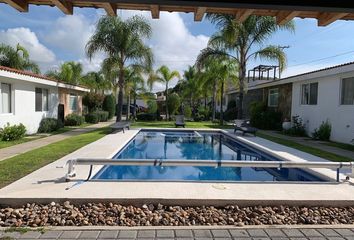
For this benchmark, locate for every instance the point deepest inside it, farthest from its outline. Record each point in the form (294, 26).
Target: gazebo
(325, 11)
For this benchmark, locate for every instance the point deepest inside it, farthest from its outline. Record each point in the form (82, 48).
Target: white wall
(23, 104)
(328, 106)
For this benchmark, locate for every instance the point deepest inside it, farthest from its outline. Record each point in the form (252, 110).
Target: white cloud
(28, 39)
(70, 34)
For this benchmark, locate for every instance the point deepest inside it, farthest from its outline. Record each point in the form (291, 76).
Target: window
(347, 97)
(273, 97)
(41, 99)
(73, 102)
(309, 94)
(5, 98)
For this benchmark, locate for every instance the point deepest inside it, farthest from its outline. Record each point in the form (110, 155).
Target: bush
(198, 117)
(230, 114)
(263, 118)
(323, 132)
(92, 117)
(93, 101)
(102, 115)
(173, 103)
(48, 125)
(152, 106)
(74, 120)
(146, 116)
(11, 133)
(187, 111)
(231, 104)
(109, 105)
(297, 129)
(204, 113)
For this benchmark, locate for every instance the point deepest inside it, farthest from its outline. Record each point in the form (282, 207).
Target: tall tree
(69, 72)
(163, 75)
(17, 58)
(134, 84)
(123, 42)
(191, 87)
(96, 81)
(238, 42)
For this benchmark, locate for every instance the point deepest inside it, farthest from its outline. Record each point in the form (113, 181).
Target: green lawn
(171, 124)
(19, 166)
(5, 144)
(314, 151)
(341, 145)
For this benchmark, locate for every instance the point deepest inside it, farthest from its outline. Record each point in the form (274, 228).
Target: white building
(27, 98)
(326, 95)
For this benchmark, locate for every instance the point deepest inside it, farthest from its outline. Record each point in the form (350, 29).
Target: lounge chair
(121, 125)
(245, 127)
(180, 121)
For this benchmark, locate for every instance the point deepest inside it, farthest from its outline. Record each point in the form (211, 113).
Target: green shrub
(187, 111)
(231, 104)
(173, 103)
(146, 116)
(92, 117)
(323, 132)
(297, 129)
(103, 116)
(93, 101)
(198, 117)
(230, 114)
(109, 105)
(11, 133)
(204, 113)
(264, 118)
(152, 106)
(48, 125)
(74, 120)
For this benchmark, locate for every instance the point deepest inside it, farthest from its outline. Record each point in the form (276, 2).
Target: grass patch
(171, 124)
(19, 166)
(311, 150)
(344, 146)
(5, 144)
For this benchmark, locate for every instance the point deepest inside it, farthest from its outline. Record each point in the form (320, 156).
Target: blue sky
(51, 37)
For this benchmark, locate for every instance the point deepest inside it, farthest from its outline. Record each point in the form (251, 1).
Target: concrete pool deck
(48, 184)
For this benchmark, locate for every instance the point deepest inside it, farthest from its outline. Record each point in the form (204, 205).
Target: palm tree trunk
(128, 105)
(222, 103)
(120, 95)
(242, 76)
(213, 100)
(134, 113)
(167, 114)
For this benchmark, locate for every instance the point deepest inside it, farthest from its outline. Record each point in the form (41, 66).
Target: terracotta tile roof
(31, 74)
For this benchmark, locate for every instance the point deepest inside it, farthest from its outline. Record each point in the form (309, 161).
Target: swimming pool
(194, 145)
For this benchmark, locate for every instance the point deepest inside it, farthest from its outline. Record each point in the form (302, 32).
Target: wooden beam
(110, 9)
(20, 5)
(199, 13)
(155, 11)
(325, 19)
(65, 6)
(285, 16)
(243, 14)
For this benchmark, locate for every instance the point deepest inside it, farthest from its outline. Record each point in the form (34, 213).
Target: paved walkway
(192, 234)
(311, 143)
(28, 146)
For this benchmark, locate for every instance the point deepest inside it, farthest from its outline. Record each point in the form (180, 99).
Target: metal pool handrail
(202, 163)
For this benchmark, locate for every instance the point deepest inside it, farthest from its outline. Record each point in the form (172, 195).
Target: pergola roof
(325, 11)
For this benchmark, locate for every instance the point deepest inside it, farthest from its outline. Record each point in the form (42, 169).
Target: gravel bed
(111, 214)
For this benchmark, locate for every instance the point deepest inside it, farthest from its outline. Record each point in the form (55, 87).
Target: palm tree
(123, 43)
(215, 75)
(134, 84)
(17, 58)
(163, 75)
(69, 72)
(238, 40)
(96, 81)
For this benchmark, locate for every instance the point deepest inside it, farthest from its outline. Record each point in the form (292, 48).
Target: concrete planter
(286, 125)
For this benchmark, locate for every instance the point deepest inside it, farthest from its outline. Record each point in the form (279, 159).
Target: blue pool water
(194, 145)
